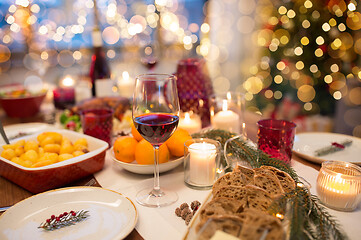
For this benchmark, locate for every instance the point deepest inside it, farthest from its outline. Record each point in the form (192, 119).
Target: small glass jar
(339, 185)
(201, 162)
(227, 112)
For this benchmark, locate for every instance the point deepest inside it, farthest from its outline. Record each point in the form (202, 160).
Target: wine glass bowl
(155, 115)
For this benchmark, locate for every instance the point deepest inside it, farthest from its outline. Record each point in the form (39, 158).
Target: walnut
(185, 212)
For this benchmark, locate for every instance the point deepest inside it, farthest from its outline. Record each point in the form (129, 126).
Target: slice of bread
(259, 225)
(235, 192)
(287, 182)
(221, 206)
(257, 198)
(229, 224)
(249, 173)
(232, 178)
(269, 182)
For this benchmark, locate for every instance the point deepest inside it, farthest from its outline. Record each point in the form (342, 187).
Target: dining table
(158, 223)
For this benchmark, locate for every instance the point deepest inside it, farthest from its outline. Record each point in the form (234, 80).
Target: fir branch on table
(306, 216)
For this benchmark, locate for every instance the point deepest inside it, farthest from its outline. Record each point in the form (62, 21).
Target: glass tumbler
(98, 123)
(276, 137)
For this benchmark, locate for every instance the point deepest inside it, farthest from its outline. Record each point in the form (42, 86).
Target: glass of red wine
(156, 116)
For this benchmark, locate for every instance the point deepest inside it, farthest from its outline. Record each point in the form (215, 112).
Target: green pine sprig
(307, 218)
(64, 220)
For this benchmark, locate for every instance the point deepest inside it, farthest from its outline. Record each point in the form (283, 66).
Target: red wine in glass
(156, 128)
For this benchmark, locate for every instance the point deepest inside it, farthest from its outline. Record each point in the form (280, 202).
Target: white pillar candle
(191, 123)
(202, 163)
(126, 85)
(226, 119)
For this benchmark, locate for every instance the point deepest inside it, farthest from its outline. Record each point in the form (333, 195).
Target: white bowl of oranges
(135, 154)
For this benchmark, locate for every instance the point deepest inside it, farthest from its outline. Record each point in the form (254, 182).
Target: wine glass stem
(156, 186)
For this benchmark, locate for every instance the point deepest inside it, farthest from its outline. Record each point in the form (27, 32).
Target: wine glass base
(156, 198)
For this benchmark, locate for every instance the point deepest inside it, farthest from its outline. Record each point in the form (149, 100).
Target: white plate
(112, 216)
(26, 128)
(145, 169)
(306, 143)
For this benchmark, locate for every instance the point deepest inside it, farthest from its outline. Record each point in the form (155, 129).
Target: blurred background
(292, 59)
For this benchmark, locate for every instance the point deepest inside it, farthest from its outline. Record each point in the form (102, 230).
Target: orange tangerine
(136, 134)
(175, 143)
(124, 148)
(144, 153)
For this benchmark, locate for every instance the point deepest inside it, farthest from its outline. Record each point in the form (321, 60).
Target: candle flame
(225, 105)
(125, 76)
(229, 96)
(279, 216)
(67, 82)
(219, 170)
(187, 117)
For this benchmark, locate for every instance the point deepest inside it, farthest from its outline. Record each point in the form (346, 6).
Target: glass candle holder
(276, 137)
(339, 185)
(201, 162)
(98, 123)
(64, 97)
(226, 111)
(190, 122)
(194, 87)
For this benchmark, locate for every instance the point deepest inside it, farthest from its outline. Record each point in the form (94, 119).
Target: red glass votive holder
(64, 97)
(194, 87)
(98, 123)
(276, 137)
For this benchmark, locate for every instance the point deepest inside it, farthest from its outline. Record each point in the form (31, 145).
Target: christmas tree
(312, 54)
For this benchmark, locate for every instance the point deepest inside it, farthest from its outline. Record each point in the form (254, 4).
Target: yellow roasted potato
(78, 153)
(65, 156)
(47, 140)
(52, 147)
(31, 155)
(48, 148)
(31, 145)
(8, 153)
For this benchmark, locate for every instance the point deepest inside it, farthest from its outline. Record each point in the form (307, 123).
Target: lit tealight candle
(202, 163)
(339, 185)
(191, 123)
(226, 119)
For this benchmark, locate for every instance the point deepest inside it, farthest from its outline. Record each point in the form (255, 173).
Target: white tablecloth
(162, 223)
